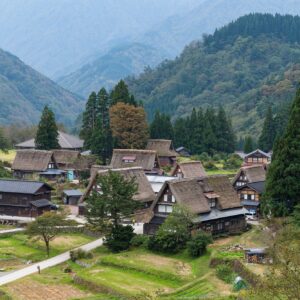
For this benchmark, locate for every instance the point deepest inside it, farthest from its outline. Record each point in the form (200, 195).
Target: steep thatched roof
(190, 169)
(222, 186)
(65, 141)
(32, 160)
(144, 192)
(139, 158)
(254, 173)
(66, 157)
(162, 147)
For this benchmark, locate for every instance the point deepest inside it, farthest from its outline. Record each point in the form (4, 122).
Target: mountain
(24, 92)
(166, 39)
(57, 35)
(245, 66)
(106, 70)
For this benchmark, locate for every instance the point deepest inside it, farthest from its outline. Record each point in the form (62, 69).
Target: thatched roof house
(66, 159)
(66, 141)
(189, 169)
(249, 174)
(212, 199)
(33, 160)
(126, 158)
(144, 194)
(165, 151)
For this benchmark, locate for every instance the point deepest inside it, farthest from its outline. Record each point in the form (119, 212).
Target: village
(59, 181)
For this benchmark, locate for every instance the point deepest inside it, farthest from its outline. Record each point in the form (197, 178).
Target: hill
(245, 66)
(24, 92)
(106, 70)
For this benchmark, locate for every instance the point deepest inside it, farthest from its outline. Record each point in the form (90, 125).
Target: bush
(204, 157)
(80, 254)
(225, 273)
(119, 238)
(197, 245)
(209, 165)
(139, 240)
(233, 162)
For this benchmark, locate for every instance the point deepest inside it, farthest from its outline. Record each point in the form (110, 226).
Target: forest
(244, 68)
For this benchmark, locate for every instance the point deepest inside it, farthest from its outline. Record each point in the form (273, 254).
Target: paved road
(14, 230)
(56, 260)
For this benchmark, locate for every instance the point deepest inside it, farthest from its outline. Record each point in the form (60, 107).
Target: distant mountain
(57, 36)
(166, 39)
(24, 92)
(246, 66)
(106, 70)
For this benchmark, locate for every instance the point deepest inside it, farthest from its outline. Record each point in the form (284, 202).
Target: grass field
(17, 249)
(9, 156)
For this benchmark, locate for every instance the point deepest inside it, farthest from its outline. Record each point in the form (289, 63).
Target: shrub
(209, 165)
(233, 162)
(139, 240)
(80, 254)
(119, 238)
(204, 157)
(225, 273)
(197, 245)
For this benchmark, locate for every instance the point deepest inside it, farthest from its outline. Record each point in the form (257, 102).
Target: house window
(173, 199)
(253, 197)
(220, 226)
(245, 197)
(241, 177)
(165, 208)
(0, 196)
(165, 197)
(212, 203)
(51, 166)
(129, 159)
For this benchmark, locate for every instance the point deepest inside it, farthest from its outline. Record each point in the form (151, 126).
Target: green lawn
(17, 249)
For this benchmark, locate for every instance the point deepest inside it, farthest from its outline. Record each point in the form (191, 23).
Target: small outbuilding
(71, 197)
(255, 255)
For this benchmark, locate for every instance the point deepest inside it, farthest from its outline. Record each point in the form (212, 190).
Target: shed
(71, 197)
(255, 255)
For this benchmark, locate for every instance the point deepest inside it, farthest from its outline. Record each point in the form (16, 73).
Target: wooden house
(257, 157)
(189, 169)
(71, 197)
(31, 164)
(157, 181)
(249, 174)
(24, 198)
(144, 195)
(65, 141)
(127, 158)
(167, 156)
(212, 199)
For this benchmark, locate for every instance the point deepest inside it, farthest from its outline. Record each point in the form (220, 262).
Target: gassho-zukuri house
(212, 199)
(65, 141)
(145, 195)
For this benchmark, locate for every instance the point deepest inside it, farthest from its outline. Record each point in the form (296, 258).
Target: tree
(248, 145)
(283, 177)
(119, 238)
(267, 137)
(89, 120)
(101, 142)
(129, 126)
(197, 245)
(161, 127)
(120, 93)
(47, 132)
(115, 201)
(47, 227)
(4, 143)
(174, 233)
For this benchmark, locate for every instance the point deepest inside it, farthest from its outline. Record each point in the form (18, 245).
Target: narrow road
(56, 260)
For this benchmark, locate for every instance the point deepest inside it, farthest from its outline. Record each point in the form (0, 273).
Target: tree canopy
(47, 132)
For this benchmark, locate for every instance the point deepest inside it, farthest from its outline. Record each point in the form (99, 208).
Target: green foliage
(140, 240)
(225, 273)
(283, 177)
(120, 93)
(248, 146)
(174, 233)
(268, 134)
(106, 209)
(47, 132)
(197, 245)
(245, 73)
(80, 254)
(209, 165)
(161, 127)
(119, 238)
(233, 162)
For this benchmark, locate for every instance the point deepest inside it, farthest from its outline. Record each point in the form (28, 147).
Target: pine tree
(267, 137)
(47, 133)
(120, 93)
(283, 177)
(155, 126)
(161, 127)
(209, 137)
(101, 143)
(89, 120)
(248, 145)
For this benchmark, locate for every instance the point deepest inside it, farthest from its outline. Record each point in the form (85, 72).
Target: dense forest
(247, 66)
